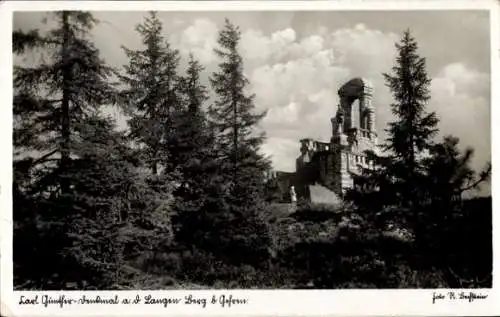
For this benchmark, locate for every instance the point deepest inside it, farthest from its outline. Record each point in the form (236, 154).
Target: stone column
(371, 119)
(346, 109)
(367, 104)
(334, 126)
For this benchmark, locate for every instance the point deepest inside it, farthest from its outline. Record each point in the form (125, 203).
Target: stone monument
(333, 164)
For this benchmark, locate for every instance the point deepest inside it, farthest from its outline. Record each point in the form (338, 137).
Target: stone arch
(355, 101)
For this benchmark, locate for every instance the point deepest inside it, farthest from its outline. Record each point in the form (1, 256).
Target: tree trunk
(65, 121)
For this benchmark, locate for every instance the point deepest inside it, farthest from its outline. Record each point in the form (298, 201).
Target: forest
(181, 199)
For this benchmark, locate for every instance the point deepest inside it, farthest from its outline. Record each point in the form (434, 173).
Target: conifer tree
(197, 194)
(234, 121)
(192, 143)
(57, 106)
(426, 178)
(399, 174)
(151, 93)
(51, 97)
(411, 134)
(449, 175)
(153, 98)
(233, 115)
(79, 200)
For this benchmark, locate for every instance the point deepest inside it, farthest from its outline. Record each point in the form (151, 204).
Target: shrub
(318, 212)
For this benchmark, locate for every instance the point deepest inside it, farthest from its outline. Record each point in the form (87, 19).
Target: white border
(261, 303)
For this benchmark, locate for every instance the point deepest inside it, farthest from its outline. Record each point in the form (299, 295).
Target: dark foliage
(419, 184)
(151, 95)
(233, 120)
(56, 107)
(80, 179)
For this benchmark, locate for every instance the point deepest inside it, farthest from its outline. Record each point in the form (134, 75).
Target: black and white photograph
(251, 150)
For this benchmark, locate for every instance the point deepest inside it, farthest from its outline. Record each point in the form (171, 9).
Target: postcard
(250, 158)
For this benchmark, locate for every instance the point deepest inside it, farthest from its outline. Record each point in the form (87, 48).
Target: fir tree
(54, 103)
(151, 94)
(77, 175)
(398, 177)
(152, 98)
(233, 115)
(411, 134)
(192, 143)
(234, 121)
(51, 97)
(195, 159)
(417, 183)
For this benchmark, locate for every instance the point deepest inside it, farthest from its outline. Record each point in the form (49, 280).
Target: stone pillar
(371, 120)
(334, 126)
(347, 114)
(338, 122)
(367, 104)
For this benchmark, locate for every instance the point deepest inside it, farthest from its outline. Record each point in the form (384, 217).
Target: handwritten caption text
(61, 301)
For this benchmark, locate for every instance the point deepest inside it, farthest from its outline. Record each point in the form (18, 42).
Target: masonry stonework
(333, 164)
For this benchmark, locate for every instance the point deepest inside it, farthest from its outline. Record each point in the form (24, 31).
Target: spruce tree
(51, 97)
(418, 182)
(234, 121)
(399, 175)
(233, 114)
(151, 93)
(192, 141)
(80, 202)
(411, 134)
(57, 106)
(196, 197)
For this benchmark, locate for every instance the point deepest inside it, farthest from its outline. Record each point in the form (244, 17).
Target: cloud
(283, 150)
(200, 39)
(255, 46)
(297, 79)
(365, 51)
(460, 97)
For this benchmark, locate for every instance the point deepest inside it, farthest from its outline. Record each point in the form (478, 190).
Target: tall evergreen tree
(194, 141)
(197, 196)
(399, 174)
(233, 114)
(234, 121)
(57, 118)
(418, 182)
(51, 97)
(151, 93)
(411, 134)
(80, 202)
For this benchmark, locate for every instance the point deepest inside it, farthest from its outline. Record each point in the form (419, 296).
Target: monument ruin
(329, 167)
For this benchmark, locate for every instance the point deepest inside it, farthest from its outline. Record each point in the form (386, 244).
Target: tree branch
(44, 157)
(482, 177)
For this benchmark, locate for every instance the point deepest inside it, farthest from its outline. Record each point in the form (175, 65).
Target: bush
(318, 212)
(343, 251)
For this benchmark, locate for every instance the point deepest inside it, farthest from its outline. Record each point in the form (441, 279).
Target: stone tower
(353, 132)
(333, 164)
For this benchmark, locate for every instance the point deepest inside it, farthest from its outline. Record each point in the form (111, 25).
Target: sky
(296, 61)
